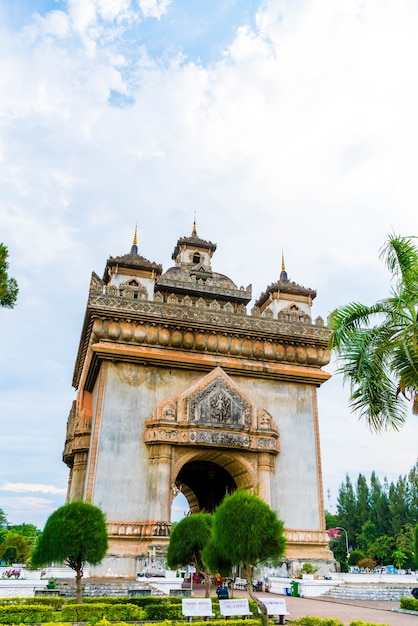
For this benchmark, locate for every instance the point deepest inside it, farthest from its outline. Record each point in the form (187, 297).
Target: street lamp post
(346, 538)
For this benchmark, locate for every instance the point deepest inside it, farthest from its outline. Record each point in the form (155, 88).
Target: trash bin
(287, 591)
(222, 593)
(295, 588)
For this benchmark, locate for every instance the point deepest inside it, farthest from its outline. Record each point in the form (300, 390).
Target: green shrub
(355, 557)
(409, 604)
(359, 623)
(219, 622)
(29, 613)
(141, 601)
(57, 624)
(88, 612)
(367, 564)
(163, 611)
(308, 620)
(45, 600)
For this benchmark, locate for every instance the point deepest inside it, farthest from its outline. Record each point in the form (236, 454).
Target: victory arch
(180, 387)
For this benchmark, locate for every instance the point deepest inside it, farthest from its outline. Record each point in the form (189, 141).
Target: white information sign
(275, 606)
(234, 607)
(200, 607)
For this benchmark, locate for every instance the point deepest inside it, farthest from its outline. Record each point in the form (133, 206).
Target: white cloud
(55, 23)
(29, 487)
(154, 8)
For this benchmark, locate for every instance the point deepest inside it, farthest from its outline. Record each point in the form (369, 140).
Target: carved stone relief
(219, 405)
(213, 412)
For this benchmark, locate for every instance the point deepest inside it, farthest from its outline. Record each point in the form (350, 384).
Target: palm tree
(378, 344)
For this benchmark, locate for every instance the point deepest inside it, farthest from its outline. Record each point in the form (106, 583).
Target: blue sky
(284, 125)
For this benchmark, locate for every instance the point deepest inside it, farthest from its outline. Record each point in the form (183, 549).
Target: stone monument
(181, 388)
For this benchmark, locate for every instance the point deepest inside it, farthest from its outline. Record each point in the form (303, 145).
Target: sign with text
(275, 606)
(199, 607)
(234, 607)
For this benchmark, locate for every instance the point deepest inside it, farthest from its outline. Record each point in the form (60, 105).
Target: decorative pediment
(294, 314)
(214, 411)
(216, 401)
(132, 288)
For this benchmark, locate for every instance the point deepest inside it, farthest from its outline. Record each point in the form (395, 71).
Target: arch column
(160, 482)
(265, 468)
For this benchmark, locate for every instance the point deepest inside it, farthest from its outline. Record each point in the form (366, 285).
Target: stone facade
(180, 389)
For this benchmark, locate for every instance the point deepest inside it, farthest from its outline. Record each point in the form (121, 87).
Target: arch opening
(204, 485)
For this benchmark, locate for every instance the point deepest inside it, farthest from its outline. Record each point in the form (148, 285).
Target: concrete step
(111, 589)
(381, 592)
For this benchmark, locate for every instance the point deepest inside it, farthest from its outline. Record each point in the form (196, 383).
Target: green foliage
(367, 563)
(215, 559)
(416, 544)
(382, 549)
(74, 534)
(163, 611)
(94, 612)
(308, 620)
(360, 623)
(55, 602)
(3, 518)
(14, 548)
(26, 530)
(409, 563)
(187, 541)
(29, 613)
(409, 604)
(308, 568)
(377, 344)
(246, 530)
(392, 513)
(399, 558)
(8, 286)
(355, 557)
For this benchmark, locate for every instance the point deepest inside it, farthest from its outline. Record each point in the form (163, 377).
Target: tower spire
(283, 273)
(134, 249)
(194, 231)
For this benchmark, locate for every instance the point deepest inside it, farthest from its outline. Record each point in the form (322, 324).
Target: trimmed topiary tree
(75, 534)
(187, 542)
(247, 532)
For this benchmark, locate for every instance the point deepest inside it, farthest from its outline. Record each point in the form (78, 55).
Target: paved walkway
(375, 612)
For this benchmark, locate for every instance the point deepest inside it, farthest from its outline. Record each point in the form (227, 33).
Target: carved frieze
(213, 412)
(148, 528)
(220, 438)
(219, 405)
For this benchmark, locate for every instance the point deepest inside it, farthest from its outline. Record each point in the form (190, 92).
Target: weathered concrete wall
(123, 484)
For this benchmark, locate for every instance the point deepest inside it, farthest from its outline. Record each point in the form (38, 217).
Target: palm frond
(377, 345)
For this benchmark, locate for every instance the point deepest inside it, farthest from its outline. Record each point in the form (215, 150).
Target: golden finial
(283, 273)
(134, 248)
(194, 231)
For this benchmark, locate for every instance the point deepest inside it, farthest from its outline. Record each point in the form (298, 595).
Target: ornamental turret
(286, 300)
(192, 281)
(131, 274)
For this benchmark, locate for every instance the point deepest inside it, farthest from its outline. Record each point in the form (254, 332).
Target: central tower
(180, 389)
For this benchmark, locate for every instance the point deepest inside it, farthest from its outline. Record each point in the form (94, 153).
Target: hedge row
(141, 601)
(330, 621)
(56, 602)
(16, 614)
(95, 612)
(409, 604)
